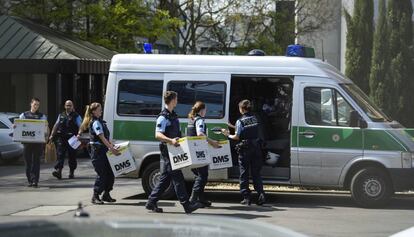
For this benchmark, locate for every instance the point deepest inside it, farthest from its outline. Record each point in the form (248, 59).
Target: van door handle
(308, 134)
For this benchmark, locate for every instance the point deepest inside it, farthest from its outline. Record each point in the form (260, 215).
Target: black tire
(371, 187)
(150, 177)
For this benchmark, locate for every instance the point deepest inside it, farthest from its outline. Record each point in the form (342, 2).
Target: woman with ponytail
(99, 145)
(197, 127)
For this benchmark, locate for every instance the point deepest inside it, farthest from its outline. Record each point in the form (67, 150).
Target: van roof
(236, 65)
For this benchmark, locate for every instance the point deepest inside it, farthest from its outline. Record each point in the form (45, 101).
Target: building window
(213, 94)
(139, 97)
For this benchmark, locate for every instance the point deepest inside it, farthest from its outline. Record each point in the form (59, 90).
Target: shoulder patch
(159, 125)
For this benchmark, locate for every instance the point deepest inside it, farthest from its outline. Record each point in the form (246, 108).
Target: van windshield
(363, 101)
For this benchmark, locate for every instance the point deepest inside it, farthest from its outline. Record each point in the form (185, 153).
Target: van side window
(326, 107)
(213, 94)
(139, 97)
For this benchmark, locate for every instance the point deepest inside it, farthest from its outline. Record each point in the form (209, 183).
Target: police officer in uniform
(99, 145)
(33, 151)
(67, 125)
(197, 127)
(250, 154)
(168, 131)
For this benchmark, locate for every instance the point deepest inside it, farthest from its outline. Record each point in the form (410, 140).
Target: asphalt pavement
(310, 213)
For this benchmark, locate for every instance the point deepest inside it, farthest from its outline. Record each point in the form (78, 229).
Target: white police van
(324, 128)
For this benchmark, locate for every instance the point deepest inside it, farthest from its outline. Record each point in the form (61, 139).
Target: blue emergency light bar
(297, 50)
(147, 48)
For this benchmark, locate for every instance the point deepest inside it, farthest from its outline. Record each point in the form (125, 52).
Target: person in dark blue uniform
(33, 151)
(168, 131)
(197, 127)
(250, 154)
(99, 145)
(67, 125)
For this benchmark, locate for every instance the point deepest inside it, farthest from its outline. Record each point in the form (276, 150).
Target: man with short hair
(67, 125)
(168, 131)
(33, 151)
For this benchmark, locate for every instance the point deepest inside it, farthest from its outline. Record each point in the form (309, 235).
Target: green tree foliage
(359, 43)
(399, 78)
(380, 62)
(112, 24)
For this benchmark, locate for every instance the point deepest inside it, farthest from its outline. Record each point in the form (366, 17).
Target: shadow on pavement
(233, 215)
(298, 200)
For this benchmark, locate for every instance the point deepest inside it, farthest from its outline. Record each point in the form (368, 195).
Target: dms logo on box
(122, 165)
(180, 158)
(200, 155)
(28, 133)
(221, 159)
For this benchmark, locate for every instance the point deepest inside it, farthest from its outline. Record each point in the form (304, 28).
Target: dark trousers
(105, 178)
(63, 147)
(168, 175)
(250, 158)
(200, 181)
(32, 153)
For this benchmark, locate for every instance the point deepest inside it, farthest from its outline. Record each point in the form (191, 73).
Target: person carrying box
(99, 145)
(167, 130)
(33, 151)
(197, 127)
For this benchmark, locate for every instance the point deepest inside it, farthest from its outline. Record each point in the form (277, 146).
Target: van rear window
(213, 94)
(139, 97)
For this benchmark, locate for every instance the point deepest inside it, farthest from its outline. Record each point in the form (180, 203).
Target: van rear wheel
(371, 187)
(150, 177)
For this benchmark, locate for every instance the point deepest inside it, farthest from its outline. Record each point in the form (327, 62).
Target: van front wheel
(150, 177)
(371, 187)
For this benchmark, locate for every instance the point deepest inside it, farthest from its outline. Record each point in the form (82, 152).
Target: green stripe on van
(145, 130)
(382, 140)
(331, 137)
(348, 138)
(134, 130)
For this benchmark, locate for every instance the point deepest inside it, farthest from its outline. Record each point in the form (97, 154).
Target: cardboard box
(123, 163)
(30, 130)
(220, 157)
(192, 153)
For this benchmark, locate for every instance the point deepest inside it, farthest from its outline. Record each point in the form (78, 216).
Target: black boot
(107, 197)
(153, 207)
(202, 199)
(96, 199)
(261, 200)
(57, 173)
(71, 174)
(246, 201)
(191, 207)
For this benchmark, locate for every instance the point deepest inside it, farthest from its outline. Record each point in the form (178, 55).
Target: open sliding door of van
(211, 88)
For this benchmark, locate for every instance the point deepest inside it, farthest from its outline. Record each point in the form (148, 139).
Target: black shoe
(204, 201)
(261, 200)
(246, 201)
(71, 174)
(106, 197)
(191, 207)
(57, 173)
(96, 200)
(153, 207)
(30, 185)
(34, 185)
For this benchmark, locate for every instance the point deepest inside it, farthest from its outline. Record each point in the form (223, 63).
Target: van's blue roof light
(147, 48)
(297, 50)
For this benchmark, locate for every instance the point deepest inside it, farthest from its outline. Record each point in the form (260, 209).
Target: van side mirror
(356, 120)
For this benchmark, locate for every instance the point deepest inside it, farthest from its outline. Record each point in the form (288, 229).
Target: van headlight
(407, 159)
